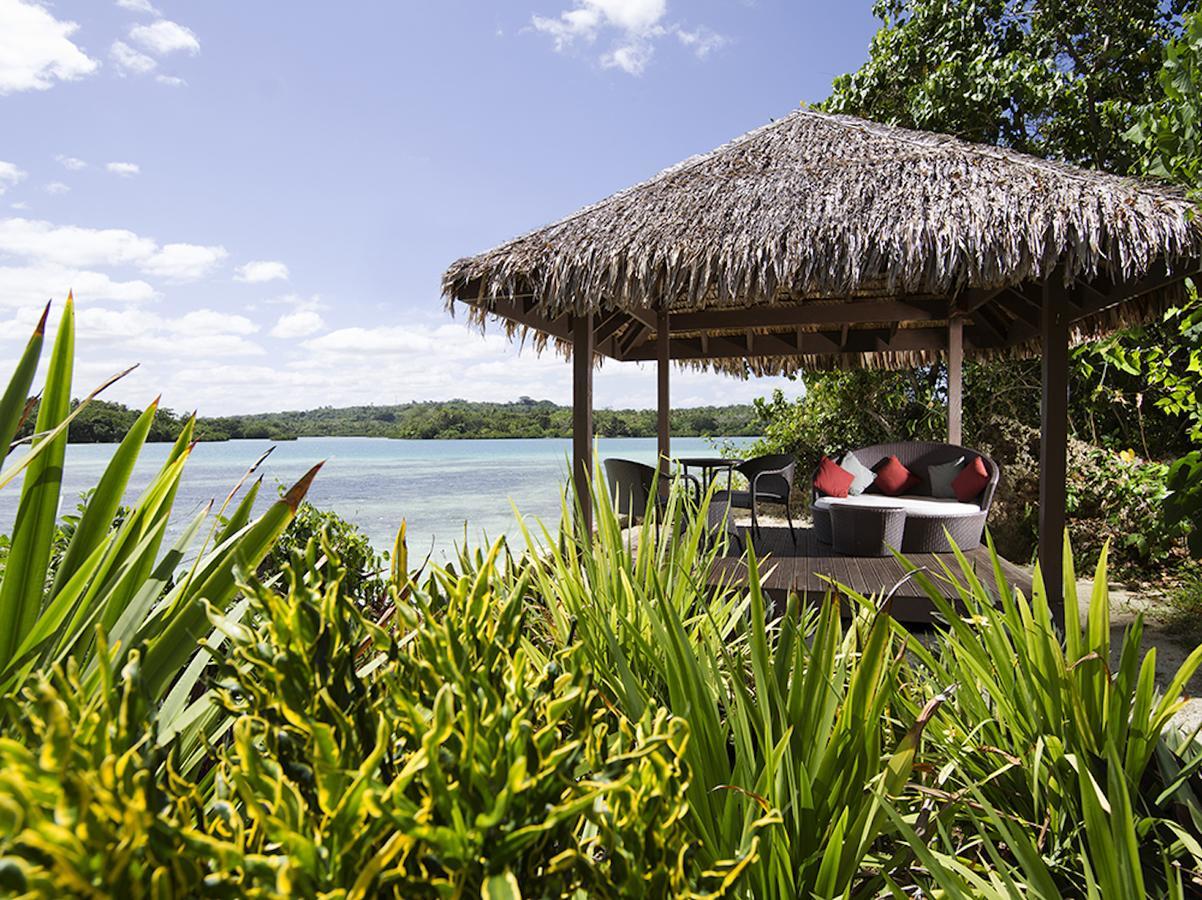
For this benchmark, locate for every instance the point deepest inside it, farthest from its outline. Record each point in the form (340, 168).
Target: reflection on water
(438, 487)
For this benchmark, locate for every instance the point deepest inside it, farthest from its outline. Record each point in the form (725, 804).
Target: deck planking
(804, 566)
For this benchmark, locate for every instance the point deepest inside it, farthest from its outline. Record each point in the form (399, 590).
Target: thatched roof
(821, 208)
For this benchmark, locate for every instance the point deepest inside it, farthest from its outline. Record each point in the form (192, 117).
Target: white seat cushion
(914, 506)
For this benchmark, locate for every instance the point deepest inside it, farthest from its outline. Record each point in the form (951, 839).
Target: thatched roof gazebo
(822, 241)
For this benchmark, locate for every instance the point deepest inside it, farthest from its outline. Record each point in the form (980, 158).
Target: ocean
(446, 491)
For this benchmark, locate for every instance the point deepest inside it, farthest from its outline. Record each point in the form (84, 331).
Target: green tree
(1058, 78)
(1169, 130)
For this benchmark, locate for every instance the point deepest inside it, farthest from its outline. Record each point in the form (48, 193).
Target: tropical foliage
(586, 717)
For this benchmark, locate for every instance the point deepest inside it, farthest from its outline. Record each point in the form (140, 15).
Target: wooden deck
(807, 566)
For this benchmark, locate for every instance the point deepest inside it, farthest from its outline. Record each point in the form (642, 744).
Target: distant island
(104, 422)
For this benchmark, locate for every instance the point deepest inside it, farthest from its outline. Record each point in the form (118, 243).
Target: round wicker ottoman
(935, 533)
(866, 530)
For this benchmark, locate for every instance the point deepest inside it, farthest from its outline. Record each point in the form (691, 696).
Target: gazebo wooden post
(1053, 443)
(582, 413)
(955, 379)
(663, 397)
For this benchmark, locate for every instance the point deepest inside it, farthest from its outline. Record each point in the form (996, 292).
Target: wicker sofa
(929, 522)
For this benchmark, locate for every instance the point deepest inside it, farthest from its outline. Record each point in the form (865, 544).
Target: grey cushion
(940, 477)
(862, 475)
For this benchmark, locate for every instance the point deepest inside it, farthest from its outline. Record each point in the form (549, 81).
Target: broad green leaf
(25, 574)
(16, 395)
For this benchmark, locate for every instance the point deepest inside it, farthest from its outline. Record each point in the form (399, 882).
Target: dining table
(711, 467)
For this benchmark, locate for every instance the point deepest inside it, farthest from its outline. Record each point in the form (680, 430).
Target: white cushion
(918, 506)
(863, 476)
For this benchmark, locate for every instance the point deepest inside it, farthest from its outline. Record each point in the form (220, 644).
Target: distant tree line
(105, 422)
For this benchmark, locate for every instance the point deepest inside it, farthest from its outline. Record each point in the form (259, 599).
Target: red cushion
(971, 481)
(832, 479)
(893, 478)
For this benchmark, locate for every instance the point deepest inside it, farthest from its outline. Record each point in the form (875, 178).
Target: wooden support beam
(989, 320)
(608, 325)
(663, 368)
(776, 344)
(635, 335)
(1025, 322)
(1102, 292)
(955, 379)
(1053, 445)
(970, 300)
(582, 414)
(845, 312)
(639, 314)
(729, 346)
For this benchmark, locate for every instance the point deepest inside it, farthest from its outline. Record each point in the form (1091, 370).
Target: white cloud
(10, 176)
(70, 245)
(129, 61)
(170, 80)
(163, 37)
(635, 17)
(57, 187)
(71, 163)
(184, 262)
(630, 58)
(22, 286)
(20, 204)
(296, 303)
(200, 334)
(36, 50)
(124, 169)
(357, 342)
(213, 322)
(702, 41)
(635, 26)
(571, 24)
(138, 6)
(213, 360)
(299, 324)
(206, 346)
(259, 271)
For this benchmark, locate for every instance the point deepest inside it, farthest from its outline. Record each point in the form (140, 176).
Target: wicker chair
(926, 531)
(631, 485)
(770, 480)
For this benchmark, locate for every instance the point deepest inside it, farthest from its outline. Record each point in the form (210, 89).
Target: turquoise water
(438, 487)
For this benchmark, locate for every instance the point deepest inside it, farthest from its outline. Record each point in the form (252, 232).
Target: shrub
(1114, 498)
(364, 580)
(439, 761)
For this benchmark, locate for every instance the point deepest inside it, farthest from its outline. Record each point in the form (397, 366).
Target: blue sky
(256, 201)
